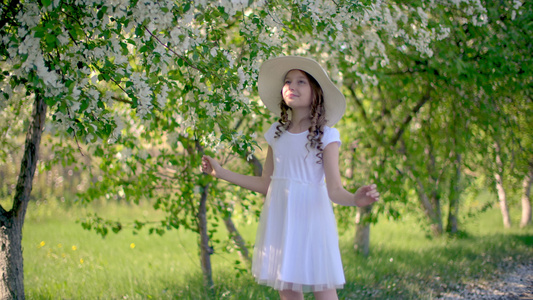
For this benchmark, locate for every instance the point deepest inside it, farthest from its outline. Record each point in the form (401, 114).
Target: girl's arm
(254, 183)
(365, 195)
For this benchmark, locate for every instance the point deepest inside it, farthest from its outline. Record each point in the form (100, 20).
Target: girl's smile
(297, 91)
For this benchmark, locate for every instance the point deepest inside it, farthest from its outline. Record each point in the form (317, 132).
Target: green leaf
(101, 12)
(39, 32)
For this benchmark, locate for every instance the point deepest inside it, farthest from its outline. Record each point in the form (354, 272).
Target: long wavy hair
(318, 118)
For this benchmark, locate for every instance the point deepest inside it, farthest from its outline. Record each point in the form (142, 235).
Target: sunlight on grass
(61, 260)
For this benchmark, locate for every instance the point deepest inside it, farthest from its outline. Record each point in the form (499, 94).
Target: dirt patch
(515, 282)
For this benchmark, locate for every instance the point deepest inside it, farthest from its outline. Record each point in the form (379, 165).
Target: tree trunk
(205, 249)
(433, 209)
(230, 226)
(431, 213)
(436, 221)
(362, 230)
(526, 201)
(453, 211)
(11, 263)
(237, 239)
(11, 222)
(502, 197)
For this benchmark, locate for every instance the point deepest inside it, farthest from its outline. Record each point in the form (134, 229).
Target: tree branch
(358, 102)
(175, 53)
(75, 136)
(122, 100)
(400, 130)
(427, 206)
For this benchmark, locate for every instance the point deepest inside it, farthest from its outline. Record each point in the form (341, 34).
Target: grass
(63, 261)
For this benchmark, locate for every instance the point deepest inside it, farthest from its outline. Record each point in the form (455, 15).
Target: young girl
(296, 248)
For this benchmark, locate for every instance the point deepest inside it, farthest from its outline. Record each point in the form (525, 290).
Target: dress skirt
(297, 245)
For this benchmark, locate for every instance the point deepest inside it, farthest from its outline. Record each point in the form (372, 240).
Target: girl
(296, 247)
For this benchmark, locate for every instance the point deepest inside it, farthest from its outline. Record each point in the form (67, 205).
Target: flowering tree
(428, 119)
(97, 66)
(145, 88)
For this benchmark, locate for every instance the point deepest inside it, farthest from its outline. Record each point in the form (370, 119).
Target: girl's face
(297, 91)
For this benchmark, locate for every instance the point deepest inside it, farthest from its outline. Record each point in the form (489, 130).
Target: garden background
(106, 108)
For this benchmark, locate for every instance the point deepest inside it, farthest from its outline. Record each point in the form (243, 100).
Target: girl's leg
(326, 295)
(290, 295)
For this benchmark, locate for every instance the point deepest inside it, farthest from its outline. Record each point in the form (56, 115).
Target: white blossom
(162, 97)
(143, 154)
(213, 51)
(143, 92)
(444, 33)
(242, 78)
(230, 59)
(119, 126)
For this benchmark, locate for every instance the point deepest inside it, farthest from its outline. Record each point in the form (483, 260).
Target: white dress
(297, 243)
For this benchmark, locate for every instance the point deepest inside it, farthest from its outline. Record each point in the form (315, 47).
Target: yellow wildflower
(132, 245)
(74, 248)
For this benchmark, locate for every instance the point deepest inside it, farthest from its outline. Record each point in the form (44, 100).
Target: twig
(75, 136)
(122, 100)
(175, 53)
(273, 19)
(112, 79)
(409, 117)
(358, 102)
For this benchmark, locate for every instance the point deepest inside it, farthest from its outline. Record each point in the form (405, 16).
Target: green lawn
(63, 261)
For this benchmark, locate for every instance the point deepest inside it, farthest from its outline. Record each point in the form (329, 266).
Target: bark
(453, 211)
(11, 263)
(526, 200)
(230, 226)
(11, 222)
(362, 230)
(205, 249)
(400, 130)
(434, 210)
(256, 165)
(431, 213)
(502, 197)
(237, 239)
(430, 203)
(436, 225)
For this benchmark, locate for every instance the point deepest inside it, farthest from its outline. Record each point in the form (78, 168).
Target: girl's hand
(210, 166)
(366, 195)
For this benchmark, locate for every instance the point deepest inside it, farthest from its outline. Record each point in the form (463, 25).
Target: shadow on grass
(402, 264)
(442, 265)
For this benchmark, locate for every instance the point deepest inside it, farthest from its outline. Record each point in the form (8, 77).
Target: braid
(318, 119)
(284, 121)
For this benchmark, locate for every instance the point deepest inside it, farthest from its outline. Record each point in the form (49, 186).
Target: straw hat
(271, 80)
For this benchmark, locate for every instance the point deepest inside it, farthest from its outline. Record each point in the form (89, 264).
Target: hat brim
(271, 80)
